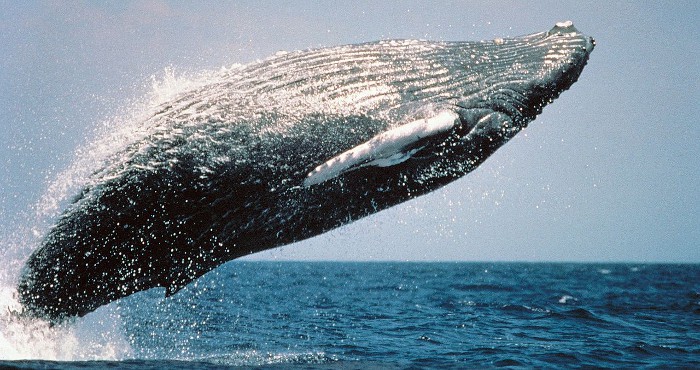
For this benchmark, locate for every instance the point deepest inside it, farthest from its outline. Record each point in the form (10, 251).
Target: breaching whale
(288, 148)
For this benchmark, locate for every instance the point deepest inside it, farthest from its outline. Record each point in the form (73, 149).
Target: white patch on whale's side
(385, 149)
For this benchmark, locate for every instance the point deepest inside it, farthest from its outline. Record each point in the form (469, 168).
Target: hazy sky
(609, 172)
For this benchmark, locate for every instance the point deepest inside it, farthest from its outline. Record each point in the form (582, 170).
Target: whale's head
(472, 97)
(518, 77)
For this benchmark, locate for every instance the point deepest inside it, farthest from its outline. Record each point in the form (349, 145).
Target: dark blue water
(421, 315)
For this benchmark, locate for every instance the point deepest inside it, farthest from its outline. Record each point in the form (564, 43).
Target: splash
(96, 337)
(99, 335)
(130, 125)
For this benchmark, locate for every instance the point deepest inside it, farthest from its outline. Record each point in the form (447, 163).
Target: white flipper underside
(385, 149)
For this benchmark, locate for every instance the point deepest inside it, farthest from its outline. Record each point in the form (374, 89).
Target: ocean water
(333, 315)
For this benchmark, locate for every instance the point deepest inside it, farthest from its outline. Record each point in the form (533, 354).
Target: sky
(609, 172)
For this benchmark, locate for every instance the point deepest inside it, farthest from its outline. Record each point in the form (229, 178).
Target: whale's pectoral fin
(386, 149)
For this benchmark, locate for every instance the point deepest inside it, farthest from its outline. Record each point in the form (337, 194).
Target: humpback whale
(285, 149)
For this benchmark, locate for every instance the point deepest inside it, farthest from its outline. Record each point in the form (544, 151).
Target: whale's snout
(522, 76)
(567, 28)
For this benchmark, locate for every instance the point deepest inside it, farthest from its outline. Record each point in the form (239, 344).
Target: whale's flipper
(386, 149)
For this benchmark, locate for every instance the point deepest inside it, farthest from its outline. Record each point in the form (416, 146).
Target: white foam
(98, 337)
(565, 299)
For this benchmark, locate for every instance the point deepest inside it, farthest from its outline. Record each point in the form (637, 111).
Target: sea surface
(333, 315)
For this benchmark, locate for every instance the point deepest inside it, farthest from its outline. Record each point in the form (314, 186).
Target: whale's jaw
(289, 148)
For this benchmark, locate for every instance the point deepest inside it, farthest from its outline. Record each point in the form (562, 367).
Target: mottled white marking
(385, 149)
(563, 28)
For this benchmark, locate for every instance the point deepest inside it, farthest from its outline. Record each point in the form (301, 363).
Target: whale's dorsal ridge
(385, 149)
